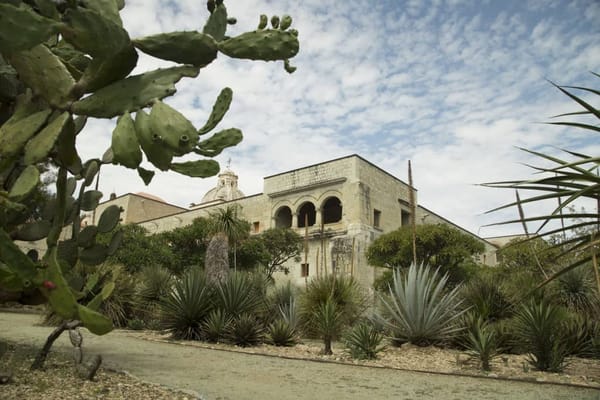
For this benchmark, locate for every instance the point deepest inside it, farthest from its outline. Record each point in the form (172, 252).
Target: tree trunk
(327, 349)
(38, 363)
(217, 258)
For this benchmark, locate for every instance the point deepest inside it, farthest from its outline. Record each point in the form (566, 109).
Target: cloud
(453, 86)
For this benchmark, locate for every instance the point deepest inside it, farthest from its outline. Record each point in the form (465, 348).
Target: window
(283, 218)
(376, 218)
(404, 218)
(332, 210)
(307, 213)
(255, 226)
(304, 270)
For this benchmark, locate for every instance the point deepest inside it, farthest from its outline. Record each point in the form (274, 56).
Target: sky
(455, 86)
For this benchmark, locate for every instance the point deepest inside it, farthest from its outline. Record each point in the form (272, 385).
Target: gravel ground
(220, 373)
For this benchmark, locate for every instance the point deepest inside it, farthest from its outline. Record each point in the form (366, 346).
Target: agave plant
(364, 341)
(216, 325)
(481, 341)
(237, 295)
(418, 309)
(187, 305)
(281, 333)
(245, 330)
(540, 326)
(567, 181)
(486, 298)
(327, 322)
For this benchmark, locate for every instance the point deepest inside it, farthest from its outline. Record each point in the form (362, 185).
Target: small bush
(418, 309)
(281, 333)
(187, 305)
(540, 324)
(484, 296)
(216, 325)
(245, 331)
(364, 341)
(135, 324)
(238, 295)
(481, 342)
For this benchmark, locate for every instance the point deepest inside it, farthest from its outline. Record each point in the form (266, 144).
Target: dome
(226, 189)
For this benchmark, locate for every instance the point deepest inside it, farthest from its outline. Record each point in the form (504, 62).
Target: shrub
(344, 291)
(481, 341)
(154, 283)
(539, 324)
(281, 333)
(417, 309)
(484, 296)
(245, 330)
(364, 341)
(327, 322)
(186, 306)
(576, 290)
(135, 324)
(238, 295)
(120, 304)
(216, 325)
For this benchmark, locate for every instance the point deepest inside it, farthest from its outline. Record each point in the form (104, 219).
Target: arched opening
(283, 217)
(307, 213)
(332, 210)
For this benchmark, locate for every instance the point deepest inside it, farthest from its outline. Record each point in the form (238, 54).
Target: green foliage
(216, 325)
(418, 308)
(271, 249)
(281, 333)
(481, 341)
(562, 183)
(188, 243)
(485, 297)
(344, 292)
(327, 322)
(439, 246)
(238, 295)
(50, 58)
(576, 290)
(539, 325)
(186, 306)
(364, 341)
(245, 330)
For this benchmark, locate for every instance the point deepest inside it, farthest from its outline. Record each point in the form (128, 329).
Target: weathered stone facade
(341, 206)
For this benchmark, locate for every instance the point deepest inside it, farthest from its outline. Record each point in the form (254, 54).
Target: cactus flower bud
(49, 285)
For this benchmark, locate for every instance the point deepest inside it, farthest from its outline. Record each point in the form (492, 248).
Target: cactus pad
(216, 25)
(37, 149)
(218, 112)
(125, 145)
(219, 141)
(25, 183)
(197, 169)
(109, 219)
(146, 175)
(266, 45)
(21, 28)
(132, 93)
(175, 130)
(14, 134)
(191, 47)
(156, 152)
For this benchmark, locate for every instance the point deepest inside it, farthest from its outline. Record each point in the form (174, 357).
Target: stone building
(340, 206)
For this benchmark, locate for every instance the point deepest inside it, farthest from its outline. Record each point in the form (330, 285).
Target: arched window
(307, 213)
(283, 217)
(332, 210)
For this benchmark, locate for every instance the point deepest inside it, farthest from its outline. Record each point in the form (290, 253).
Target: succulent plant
(54, 75)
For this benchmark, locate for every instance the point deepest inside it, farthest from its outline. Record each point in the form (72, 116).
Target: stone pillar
(318, 217)
(295, 220)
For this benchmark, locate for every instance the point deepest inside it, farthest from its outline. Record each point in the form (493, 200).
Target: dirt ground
(220, 373)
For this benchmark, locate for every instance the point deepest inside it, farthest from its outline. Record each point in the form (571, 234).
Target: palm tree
(565, 182)
(226, 228)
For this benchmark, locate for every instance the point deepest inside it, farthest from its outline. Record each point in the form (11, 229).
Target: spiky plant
(364, 341)
(485, 297)
(481, 341)
(245, 330)
(281, 333)
(119, 307)
(418, 309)
(216, 325)
(539, 325)
(186, 306)
(576, 290)
(327, 322)
(237, 295)
(344, 291)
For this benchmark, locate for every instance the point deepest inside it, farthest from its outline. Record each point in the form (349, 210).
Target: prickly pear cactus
(54, 75)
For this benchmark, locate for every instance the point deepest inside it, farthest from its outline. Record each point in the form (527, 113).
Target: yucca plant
(186, 306)
(485, 297)
(418, 309)
(364, 341)
(563, 183)
(540, 327)
(344, 291)
(281, 333)
(327, 322)
(481, 341)
(245, 330)
(216, 325)
(237, 295)
(576, 290)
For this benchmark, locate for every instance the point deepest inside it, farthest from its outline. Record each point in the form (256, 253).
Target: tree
(439, 246)
(226, 227)
(563, 183)
(534, 255)
(271, 249)
(56, 74)
(188, 244)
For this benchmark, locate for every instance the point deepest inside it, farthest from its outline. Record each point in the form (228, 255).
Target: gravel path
(217, 374)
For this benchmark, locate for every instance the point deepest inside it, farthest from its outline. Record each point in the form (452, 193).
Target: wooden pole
(413, 213)
(306, 246)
